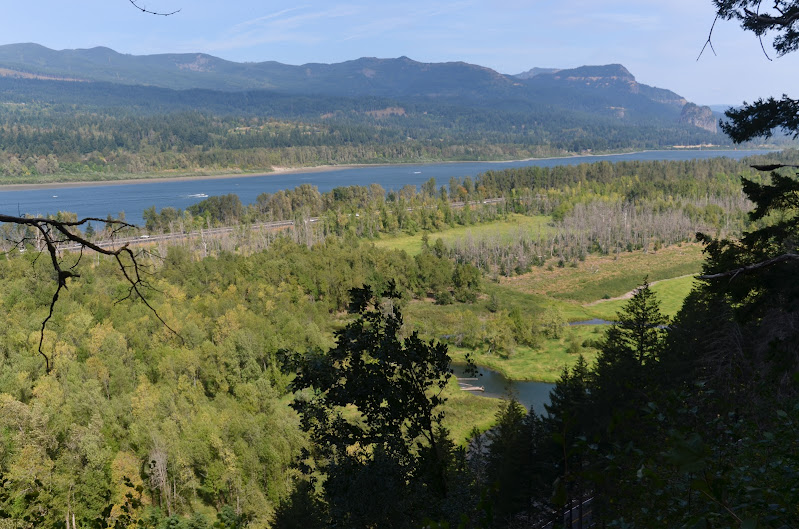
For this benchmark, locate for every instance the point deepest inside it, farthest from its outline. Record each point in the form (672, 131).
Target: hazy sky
(657, 40)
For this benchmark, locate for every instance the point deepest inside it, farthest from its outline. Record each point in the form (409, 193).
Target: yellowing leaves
(106, 341)
(144, 401)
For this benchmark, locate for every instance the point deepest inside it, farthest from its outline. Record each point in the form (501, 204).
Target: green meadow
(596, 288)
(504, 229)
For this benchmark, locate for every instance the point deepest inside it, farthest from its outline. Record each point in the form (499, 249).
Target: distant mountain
(609, 90)
(452, 94)
(702, 117)
(529, 74)
(400, 77)
(614, 77)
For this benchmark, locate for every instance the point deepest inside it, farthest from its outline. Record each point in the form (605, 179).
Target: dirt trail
(630, 294)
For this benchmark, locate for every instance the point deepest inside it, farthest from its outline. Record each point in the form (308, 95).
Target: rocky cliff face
(599, 76)
(529, 74)
(697, 116)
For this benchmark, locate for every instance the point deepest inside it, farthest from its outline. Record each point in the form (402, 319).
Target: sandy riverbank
(152, 179)
(275, 170)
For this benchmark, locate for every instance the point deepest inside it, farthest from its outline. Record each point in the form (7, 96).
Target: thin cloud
(290, 25)
(630, 20)
(388, 20)
(260, 20)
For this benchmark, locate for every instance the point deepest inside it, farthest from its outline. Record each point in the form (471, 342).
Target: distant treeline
(67, 128)
(595, 208)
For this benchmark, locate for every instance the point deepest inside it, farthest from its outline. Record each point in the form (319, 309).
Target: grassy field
(504, 229)
(544, 364)
(573, 294)
(570, 293)
(464, 411)
(670, 292)
(611, 276)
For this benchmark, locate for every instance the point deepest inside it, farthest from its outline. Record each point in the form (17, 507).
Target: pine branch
(771, 167)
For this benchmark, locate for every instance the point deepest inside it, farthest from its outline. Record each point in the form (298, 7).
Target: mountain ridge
(373, 76)
(591, 96)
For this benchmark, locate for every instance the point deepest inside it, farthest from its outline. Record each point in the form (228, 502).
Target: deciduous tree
(371, 408)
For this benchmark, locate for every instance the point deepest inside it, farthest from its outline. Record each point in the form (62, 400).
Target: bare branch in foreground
(709, 42)
(158, 13)
(756, 266)
(55, 232)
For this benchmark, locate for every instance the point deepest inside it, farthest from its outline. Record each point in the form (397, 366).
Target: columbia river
(103, 199)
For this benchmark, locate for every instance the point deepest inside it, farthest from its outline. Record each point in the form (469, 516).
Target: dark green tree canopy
(371, 408)
(780, 19)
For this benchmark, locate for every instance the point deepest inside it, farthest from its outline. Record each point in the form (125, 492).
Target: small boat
(55, 196)
(417, 172)
(199, 195)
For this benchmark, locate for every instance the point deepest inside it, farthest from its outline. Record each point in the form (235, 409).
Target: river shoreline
(277, 170)
(167, 179)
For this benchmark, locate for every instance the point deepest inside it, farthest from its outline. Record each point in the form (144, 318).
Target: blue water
(529, 394)
(101, 200)
(595, 321)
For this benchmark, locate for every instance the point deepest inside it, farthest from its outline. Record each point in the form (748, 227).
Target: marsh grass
(572, 294)
(503, 229)
(464, 411)
(608, 276)
(542, 364)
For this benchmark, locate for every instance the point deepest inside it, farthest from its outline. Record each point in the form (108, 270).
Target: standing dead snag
(54, 234)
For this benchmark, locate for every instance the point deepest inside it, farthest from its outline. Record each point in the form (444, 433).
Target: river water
(101, 200)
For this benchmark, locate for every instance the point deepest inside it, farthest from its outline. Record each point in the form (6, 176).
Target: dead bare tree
(51, 235)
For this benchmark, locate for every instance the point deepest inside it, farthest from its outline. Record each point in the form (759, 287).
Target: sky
(658, 41)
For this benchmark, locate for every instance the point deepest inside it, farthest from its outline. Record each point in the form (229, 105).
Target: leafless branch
(158, 13)
(54, 232)
(708, 41)
(749, 268)
(760, 37)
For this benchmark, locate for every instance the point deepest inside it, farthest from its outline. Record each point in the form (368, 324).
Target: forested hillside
(75, 115)
(139, 426)
(290, 363)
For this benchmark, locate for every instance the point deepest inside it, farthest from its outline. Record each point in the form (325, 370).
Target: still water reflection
(534, 394)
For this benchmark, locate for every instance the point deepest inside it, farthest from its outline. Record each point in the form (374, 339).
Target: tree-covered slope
(600, 91)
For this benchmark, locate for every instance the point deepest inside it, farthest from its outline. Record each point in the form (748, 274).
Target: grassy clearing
(601, 276)
(464, 411)
(565, 292)
(504, 229)
(544, 364)
(670, 292)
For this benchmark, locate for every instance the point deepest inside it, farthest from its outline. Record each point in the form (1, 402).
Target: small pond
(534, 394)
(595, 321)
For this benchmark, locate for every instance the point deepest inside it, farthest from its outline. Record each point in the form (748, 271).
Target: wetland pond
(529, 394)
